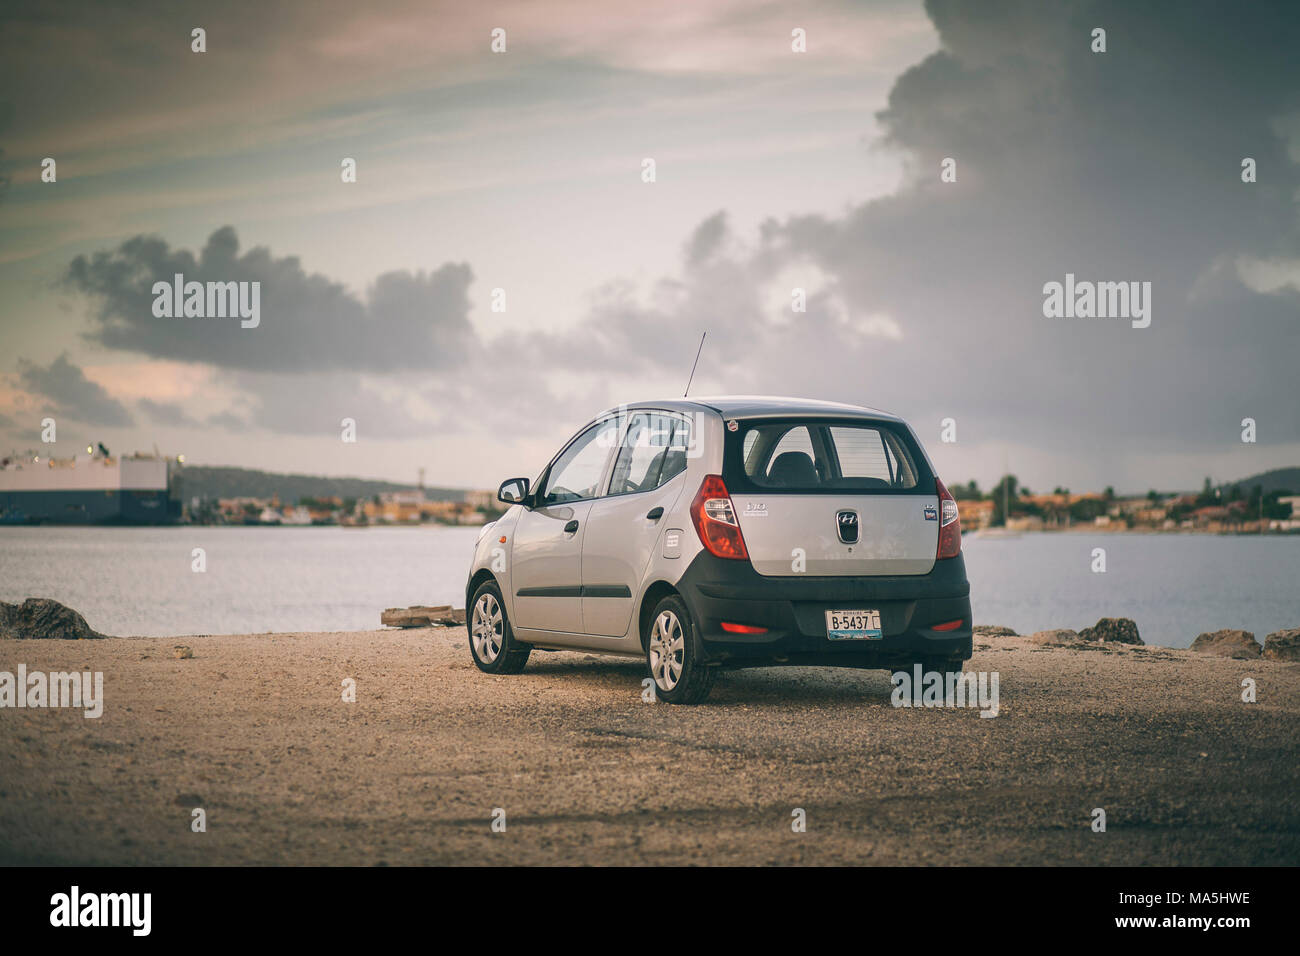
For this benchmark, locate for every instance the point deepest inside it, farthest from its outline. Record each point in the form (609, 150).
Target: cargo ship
(95, 488)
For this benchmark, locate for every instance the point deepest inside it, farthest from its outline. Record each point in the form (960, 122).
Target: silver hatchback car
(705, 533)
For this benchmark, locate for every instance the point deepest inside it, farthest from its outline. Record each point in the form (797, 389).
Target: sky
(774, 169)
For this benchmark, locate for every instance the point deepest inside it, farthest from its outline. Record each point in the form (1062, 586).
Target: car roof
(765, 406)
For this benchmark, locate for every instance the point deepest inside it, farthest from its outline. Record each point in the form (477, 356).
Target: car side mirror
(513, 491)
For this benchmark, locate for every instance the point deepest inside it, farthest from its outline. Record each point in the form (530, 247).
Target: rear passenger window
(861, 452)
(818, 456)
(653, 453)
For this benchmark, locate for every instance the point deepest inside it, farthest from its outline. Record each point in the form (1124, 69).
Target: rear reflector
(948, 626)
(747, 628)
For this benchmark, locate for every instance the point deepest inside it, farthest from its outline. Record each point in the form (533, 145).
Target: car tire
(674, 658)
(491, 639)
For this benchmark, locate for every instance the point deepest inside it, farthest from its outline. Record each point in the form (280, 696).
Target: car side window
(576, 474)
(653, 452)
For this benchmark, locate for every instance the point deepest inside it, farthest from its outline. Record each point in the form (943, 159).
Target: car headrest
(793, 468)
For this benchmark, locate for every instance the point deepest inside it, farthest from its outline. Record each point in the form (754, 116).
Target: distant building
(1024, 523)
(411, 507)
(481, 500)
(973, 514)
(295, 516)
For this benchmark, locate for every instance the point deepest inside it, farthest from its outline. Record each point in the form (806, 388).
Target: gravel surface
(253, 730)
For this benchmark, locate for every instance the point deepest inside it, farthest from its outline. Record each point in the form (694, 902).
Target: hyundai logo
(846, 523)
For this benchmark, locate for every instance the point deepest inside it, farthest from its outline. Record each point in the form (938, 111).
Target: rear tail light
(732, 628)
(948, 625)
(949, 523)
(715, 520)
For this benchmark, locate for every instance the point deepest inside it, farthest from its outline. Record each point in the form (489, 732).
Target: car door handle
(571, 527)
(655, 514)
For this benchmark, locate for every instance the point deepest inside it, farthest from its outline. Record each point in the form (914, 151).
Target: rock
(416, 616)
(421, 616)
(1112, 630)
(182, 652)
(1061, 635)
(1227, 643)
(992, 630)
(1283, 645)
(43, 619)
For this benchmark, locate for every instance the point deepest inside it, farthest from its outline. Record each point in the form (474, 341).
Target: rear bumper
(792, 609)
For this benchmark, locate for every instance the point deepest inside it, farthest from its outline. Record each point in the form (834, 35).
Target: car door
(854, 496)
(624, 526)
(546, 552)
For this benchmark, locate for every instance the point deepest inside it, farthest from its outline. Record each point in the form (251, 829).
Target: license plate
(853, 626)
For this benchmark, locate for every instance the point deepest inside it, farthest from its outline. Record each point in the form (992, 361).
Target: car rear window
(814, 456)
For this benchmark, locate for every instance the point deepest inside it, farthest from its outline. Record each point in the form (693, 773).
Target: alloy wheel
(488, 628)
(667, 651)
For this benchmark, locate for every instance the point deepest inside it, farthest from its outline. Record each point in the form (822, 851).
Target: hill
(1279, 479)
(206, 481)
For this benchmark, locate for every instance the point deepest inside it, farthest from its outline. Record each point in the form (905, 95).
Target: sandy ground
(253, 729)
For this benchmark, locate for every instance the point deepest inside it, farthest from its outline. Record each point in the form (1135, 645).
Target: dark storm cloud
(1116, 166)
(407, 320)
(71, 394)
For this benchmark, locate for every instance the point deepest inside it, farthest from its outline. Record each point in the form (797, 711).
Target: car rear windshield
(813, 456)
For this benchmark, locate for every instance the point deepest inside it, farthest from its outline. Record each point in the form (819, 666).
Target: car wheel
(673, 655)
(491, 640)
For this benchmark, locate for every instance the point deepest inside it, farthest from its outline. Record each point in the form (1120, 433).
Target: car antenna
(696, 362)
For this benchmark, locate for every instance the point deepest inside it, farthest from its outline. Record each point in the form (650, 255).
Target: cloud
(403, 363)
(317, 403)
(1122, 166)
(408, 320)
(72, 394)
(228, 421)
(928, 301)
(166, 413)
(6, 118)
(706, 240)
